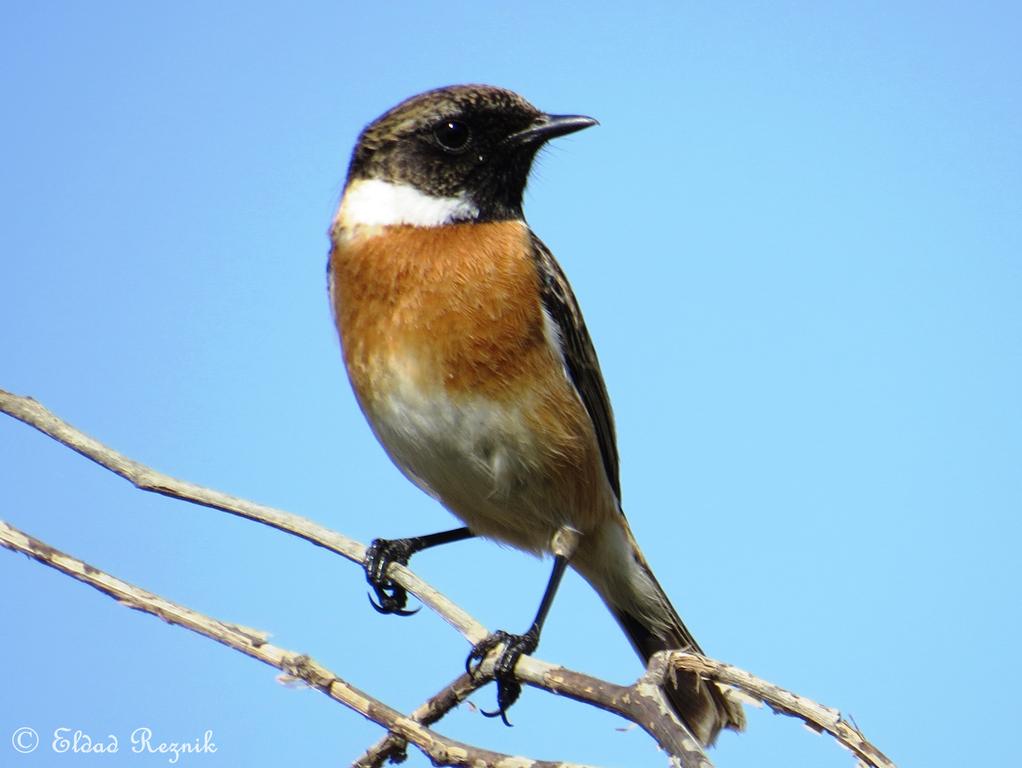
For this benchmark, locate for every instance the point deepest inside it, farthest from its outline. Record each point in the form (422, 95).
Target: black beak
(549, 127)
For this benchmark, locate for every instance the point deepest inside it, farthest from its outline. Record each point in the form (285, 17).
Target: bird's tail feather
(701, 704)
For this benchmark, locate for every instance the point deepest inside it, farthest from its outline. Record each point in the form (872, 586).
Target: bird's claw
(390, 597)
(508, 688)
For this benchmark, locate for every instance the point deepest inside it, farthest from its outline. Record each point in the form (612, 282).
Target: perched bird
(470, 359)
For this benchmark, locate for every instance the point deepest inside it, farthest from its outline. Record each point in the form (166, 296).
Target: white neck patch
(378, 203)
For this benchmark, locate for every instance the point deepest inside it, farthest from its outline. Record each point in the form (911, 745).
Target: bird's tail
(645, 613)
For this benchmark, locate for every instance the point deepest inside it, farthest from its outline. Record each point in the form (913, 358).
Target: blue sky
(797, 240)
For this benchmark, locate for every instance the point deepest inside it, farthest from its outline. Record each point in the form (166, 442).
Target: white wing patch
(553, 338)
(378, 203)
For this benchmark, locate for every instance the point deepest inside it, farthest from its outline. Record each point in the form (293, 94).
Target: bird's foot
(508, 688)
(390, 597)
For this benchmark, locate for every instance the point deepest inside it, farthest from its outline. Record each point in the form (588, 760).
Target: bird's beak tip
(549, 127)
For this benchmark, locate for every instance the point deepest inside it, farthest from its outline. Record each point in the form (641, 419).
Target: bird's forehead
(426, 108)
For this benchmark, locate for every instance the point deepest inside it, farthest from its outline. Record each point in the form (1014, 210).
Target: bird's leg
(391, 597)
(509, 689)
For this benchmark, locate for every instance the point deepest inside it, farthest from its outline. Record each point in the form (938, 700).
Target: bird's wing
(581, 363)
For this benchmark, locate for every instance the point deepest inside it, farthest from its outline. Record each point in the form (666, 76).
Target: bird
(470, 359)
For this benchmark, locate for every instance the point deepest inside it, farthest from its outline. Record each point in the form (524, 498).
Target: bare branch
(645, 707)
(392, 747)
(30, 412)
(816, 716)
(642, 703)
(439, 749)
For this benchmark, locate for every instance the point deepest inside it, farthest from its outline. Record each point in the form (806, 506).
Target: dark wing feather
(583, 367)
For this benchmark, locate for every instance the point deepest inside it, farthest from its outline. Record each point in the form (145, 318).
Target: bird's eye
(452, 135)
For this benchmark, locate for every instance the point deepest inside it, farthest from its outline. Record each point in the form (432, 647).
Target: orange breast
(461, 302)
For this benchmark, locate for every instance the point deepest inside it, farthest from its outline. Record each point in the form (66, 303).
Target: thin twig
(392, 747)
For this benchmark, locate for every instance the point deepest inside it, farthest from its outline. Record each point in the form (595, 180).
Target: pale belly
(480, 458)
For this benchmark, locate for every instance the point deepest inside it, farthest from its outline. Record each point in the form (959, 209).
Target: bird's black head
(472, 143)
